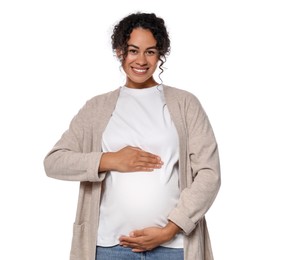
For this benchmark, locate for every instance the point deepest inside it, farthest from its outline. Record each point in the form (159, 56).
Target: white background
(56, 54)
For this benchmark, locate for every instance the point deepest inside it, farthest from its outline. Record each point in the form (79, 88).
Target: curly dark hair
(122, 31)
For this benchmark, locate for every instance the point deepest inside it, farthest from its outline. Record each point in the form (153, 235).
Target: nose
(141, 59)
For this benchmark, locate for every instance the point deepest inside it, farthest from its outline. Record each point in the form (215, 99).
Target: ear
(119, 54)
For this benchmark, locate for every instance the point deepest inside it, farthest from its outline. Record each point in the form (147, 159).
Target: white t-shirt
(137, 200)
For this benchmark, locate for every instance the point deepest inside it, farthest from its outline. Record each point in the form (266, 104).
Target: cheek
(129, 59)
(154, 61)
(125, 67)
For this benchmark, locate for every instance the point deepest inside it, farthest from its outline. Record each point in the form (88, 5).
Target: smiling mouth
(139, 71)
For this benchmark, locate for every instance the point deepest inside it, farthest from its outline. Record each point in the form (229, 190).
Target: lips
(139, 71)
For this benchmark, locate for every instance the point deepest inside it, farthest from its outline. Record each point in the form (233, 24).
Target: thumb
(135, 148)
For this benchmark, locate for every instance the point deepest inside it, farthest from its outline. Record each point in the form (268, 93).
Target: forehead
(142, 38)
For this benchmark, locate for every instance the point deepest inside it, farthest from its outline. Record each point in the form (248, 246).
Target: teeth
(140, 70)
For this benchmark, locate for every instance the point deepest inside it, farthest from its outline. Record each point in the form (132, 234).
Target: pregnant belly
(139, 199)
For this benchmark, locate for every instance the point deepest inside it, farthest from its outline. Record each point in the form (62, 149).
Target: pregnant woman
(146, 158)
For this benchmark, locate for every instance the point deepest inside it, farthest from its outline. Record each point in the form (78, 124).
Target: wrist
(106, 162)
(171, 229)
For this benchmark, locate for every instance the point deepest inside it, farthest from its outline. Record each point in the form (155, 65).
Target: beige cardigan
(76, 157)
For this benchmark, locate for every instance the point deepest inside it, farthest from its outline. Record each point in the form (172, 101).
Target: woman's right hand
(130, 159)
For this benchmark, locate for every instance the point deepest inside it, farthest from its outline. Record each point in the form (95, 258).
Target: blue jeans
(123, 253)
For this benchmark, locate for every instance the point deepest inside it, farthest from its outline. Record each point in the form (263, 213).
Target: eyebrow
(136, 47)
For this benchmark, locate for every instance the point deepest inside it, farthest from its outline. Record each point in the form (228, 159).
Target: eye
(151, 52)
(132, 51)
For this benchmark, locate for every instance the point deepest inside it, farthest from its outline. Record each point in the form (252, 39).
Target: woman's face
(141, 60)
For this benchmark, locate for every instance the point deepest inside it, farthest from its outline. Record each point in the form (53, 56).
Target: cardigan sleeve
(203, 166)
(72, 158)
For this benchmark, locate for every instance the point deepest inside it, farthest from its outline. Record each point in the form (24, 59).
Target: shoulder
(104, 98)
(181, 96)
(99, 103)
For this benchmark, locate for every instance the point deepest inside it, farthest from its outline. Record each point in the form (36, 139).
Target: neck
(147, 84)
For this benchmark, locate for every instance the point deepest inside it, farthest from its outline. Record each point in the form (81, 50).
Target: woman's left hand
(149, 238)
